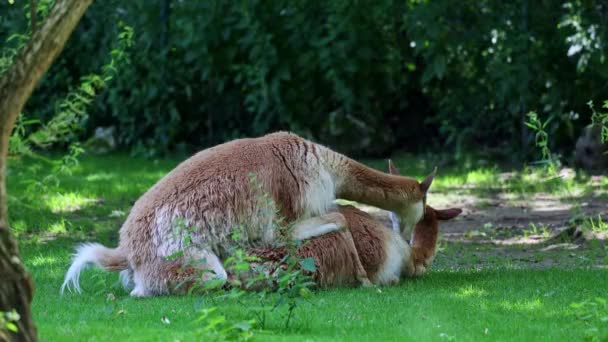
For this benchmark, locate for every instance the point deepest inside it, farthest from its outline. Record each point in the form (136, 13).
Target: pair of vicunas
(229, 185)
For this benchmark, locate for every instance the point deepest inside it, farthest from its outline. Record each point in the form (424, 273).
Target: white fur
(140, 289)
(397, 253)
(126, 279)
(313, 231)
(320, 195)
(211, 262)
(394, 221)
(410, 217)
(86, 254)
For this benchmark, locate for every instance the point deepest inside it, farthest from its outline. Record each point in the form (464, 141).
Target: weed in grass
(217, 327)
(541, 139)
(595, 225)
(593, 314)
(600, 119)
(537, 230)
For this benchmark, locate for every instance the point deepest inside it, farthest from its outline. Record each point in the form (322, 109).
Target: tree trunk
(16, 86)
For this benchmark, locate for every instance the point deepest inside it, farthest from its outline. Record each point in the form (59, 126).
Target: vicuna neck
(357, 182)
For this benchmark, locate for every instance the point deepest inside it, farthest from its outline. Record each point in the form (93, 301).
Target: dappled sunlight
(102, 176)
(477, 178)
(18, 226)
(470, 291)
(483, 177)
(57, 227)
(67, 202)
(43, 260)
(522, 305)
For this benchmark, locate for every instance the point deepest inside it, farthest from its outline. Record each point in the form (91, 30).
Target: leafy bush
(365, 77)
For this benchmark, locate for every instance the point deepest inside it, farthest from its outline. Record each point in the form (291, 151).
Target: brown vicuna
(385, 256)
(213, 192)
(383, 252)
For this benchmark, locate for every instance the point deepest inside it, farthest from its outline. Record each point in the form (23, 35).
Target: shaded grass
(474, 175)
(498, 301)
(84, 200)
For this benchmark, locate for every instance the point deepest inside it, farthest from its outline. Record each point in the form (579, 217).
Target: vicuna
(384, 254)
(213, 192)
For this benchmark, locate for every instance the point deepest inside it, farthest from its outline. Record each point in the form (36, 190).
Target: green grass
(510, 304)
(462, 298)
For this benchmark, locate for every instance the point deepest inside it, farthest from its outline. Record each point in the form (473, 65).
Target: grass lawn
(498, 283)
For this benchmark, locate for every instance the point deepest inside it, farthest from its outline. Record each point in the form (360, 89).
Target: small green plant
(595, 225)
(8, 322)
(191, 269)
(541, 140)
(270, 285)
(594, 315)
(537, 230)
(293, 281)
(600, 119)
(217, 327)
(63, 166)
(31, 135)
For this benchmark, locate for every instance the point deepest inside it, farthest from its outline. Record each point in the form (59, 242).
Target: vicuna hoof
(365, 282)
(139, 292)
(419, 270)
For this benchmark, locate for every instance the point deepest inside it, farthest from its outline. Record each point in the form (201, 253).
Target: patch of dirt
(500, 229)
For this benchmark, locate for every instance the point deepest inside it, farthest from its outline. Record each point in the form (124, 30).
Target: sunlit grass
(470, 291)
(480, 178)
(522, 305)
(67, 202)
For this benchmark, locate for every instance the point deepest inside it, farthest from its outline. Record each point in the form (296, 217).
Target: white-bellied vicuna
(385, 255)
(224, 187)
(383, 252)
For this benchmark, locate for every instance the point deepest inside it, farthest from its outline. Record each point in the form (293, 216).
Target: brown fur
(334, 259)
(424, 237)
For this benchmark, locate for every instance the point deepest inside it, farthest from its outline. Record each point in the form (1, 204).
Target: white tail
(96, 254)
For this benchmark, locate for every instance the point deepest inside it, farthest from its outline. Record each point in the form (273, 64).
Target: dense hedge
(364, 76)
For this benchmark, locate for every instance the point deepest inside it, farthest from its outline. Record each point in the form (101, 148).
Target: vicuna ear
(447, 214)
(426, 183)
(391, 168)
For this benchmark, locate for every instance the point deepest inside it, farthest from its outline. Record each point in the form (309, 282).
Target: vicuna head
(424, 239)
(406, 217)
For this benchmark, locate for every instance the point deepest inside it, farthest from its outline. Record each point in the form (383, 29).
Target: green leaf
(308, 264)
(175, 255)
(10, 325)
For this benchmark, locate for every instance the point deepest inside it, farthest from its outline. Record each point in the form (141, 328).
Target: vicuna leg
(177, 276)
(331, 222)
(318, 225)
(360, 272)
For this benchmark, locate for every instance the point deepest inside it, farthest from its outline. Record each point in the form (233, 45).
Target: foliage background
(366, 77)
